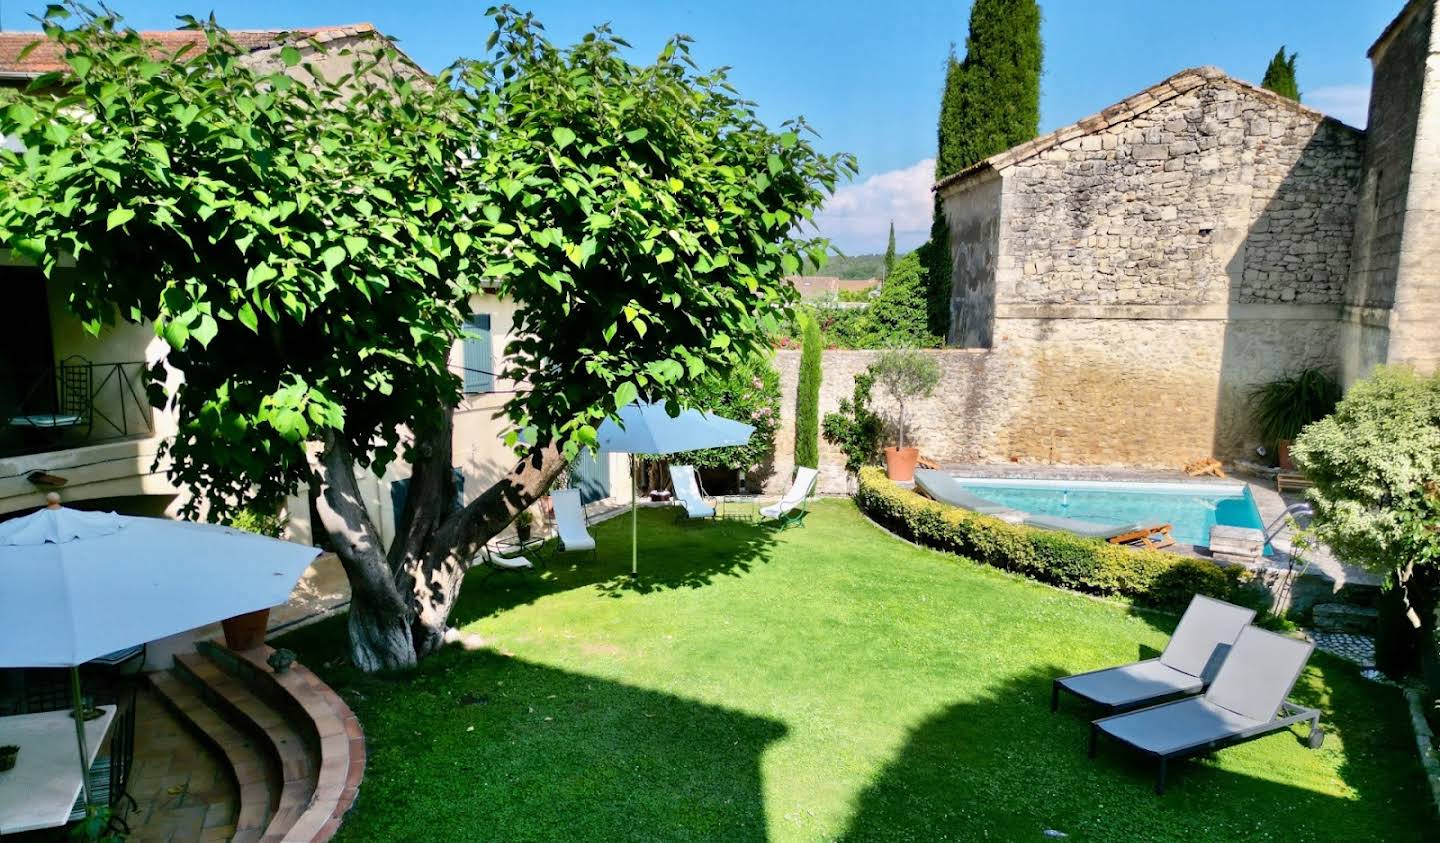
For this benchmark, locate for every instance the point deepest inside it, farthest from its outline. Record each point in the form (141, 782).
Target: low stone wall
(1083, 391)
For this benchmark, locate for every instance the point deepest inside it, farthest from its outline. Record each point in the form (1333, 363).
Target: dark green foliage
(1283, 407)
(855, 267)
(807, 396)
(895, 317)
(857, 296)
(890, 252)
(1280, 76)
(749, 393)
(1150, 576)
(991, 102)
(856, 429)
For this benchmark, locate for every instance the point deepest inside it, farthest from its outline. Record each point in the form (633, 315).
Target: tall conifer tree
(1280, 76)
(991, 103)
(889, 254)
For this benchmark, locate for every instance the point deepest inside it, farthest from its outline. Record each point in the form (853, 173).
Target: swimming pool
(1193, 508)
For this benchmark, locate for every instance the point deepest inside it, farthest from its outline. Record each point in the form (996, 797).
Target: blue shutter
(477, 359)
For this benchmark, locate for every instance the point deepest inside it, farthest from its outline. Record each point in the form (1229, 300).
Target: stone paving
(184, 793)
(1359, 649)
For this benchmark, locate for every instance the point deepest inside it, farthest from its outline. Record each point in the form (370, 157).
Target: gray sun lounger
(946, 489)
(1083, 529)
(1246, 701)
(1190, 661)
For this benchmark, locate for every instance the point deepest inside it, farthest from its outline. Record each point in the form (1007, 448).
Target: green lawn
(828, 682)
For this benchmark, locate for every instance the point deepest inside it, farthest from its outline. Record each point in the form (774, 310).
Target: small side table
(512, 547)
(736, 508)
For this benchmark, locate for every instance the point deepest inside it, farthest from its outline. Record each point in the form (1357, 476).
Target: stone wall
(974, 218)
(1221, 194)
(1127, 392)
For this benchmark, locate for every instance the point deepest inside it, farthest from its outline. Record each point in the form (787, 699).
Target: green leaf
(788, 139)
(635, 135)
(247, 317)
(206, 330)
(118, 217)
(333, 257)
(625, 393)
(289, 55)
(563, 136)
(81, 65)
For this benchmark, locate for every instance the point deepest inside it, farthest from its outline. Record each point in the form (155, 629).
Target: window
(476, 355)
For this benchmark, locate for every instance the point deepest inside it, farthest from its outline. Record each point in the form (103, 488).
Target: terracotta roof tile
(48, 56)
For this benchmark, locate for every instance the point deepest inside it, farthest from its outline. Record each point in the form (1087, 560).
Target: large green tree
(1280, 75)
(308, 247)
(991, 102)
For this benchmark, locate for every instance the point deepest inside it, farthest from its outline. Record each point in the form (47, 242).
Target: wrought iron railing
(77, 402)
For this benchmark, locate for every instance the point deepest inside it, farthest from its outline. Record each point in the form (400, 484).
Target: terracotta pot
(900, 463)
(1282, 453)
(247, 631)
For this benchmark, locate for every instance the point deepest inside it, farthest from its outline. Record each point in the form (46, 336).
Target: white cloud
(1347, 103)
(857, 218)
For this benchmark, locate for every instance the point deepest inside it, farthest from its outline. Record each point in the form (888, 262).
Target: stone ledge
(1425, 742)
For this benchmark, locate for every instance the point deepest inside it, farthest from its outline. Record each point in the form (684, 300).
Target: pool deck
(1270, 502)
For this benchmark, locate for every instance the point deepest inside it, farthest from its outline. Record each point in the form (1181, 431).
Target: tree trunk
(379, 615)
(436, 577)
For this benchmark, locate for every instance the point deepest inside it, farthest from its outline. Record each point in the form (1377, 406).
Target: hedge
(1151, 577)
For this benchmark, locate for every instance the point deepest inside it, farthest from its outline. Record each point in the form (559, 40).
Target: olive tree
(307, 245)
(905, 373)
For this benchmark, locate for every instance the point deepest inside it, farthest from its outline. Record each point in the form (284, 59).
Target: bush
(253, 519)
(856, 429)
(807, 397)
(895, 317)
(1151, 577)
(750, 393)
(1283, 407)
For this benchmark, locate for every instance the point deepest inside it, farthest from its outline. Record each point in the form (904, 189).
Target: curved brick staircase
(294, 749)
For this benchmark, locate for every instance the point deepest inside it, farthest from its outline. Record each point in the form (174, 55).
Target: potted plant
(247, 631)
(904, 373)
(1283, 407)
(523, 523)
(8, 754)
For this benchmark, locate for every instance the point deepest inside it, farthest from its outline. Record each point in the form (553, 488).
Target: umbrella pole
(80, 733)
(634, 516)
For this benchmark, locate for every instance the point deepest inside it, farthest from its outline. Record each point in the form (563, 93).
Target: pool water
(1192, 508)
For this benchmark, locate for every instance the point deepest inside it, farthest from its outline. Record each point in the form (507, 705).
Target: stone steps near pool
(293, 748)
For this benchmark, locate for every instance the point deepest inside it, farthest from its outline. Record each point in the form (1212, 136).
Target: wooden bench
(1147, 537)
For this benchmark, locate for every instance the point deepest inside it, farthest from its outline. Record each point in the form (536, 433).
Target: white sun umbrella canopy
(647, 429)
(77, 585)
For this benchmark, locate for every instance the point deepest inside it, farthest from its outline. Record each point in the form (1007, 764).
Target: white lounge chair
(570, 521)
(688, 492)
(791, 509)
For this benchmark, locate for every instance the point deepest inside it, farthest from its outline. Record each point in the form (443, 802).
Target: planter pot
(247, 631)
(1282, 453)
(522, 533)
(900, 463)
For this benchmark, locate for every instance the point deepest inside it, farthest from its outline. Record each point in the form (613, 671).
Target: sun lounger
(1190, 660)
(570, 521)
(688, 493)
(1246, 701)
(946, 489)
(1154, 536)
(791, 508)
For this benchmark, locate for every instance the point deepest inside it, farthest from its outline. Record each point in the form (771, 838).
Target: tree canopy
(308, 246)
(1280, 75)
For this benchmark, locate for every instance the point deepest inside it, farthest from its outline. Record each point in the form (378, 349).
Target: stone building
(1122, 284)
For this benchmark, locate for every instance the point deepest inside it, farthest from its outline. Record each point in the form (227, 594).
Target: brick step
(292, 761)
(246, 761)
(334, 733)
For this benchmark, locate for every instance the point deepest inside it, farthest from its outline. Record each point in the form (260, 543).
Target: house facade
(1121, 285)
(73, 407)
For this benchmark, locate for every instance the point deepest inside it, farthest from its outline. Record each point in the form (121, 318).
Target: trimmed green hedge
(1151, 577)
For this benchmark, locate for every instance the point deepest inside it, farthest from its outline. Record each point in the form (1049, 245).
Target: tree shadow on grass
(672, 555)
(479, 746)
(1004, 767)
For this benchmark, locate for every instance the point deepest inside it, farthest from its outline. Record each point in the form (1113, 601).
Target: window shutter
(476, 356)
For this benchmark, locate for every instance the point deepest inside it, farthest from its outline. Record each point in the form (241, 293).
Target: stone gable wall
(1219, 195)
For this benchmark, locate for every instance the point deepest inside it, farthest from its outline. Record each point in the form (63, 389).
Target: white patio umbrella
(76, 585)
(648, 429)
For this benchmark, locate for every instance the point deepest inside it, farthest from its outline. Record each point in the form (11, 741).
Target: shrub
(750, 393)
(1283, 407)
(855, 428)
(807, 397)
(254, 519)
(1151, 577)
(897, 316)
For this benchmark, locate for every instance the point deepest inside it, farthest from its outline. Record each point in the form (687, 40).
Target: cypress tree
(991, 103)
(889, 254)
(1280, 76)
(807, 396)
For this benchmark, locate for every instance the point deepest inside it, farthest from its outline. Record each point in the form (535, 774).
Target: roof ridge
(1136, 104)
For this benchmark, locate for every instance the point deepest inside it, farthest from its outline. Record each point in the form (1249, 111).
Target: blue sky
(870, 83)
